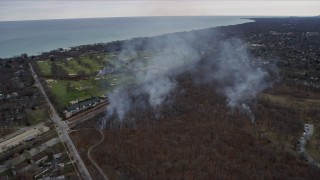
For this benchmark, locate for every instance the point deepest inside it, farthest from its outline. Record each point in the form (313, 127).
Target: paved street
(62, 129)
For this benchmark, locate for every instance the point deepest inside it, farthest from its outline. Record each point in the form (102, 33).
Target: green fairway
(90, 85)
(89, 64)
(68, 90)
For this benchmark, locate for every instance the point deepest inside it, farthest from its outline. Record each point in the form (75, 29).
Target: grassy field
(70, 90)
(90, 64)
(84, 89)
(45, 67)
(308, 104)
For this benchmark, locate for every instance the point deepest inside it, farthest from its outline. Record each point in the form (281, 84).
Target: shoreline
(125, 37)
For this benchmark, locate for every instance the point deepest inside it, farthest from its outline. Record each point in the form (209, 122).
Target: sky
(12, 10)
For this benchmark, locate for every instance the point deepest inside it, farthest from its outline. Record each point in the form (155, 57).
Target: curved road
(62, 129)
(302, 145)
(92, 160)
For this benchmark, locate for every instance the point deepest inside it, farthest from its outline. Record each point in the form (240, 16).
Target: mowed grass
(92, 86)
(71, 89)
(64, 96)
(90, 66)
(84, 89)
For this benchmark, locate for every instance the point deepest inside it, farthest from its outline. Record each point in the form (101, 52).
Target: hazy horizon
(244, 17)
(79, 9)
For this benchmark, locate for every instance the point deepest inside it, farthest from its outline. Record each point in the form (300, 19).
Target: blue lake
(34, 37)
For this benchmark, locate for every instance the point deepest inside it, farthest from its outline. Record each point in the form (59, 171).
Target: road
(302, 145)
(62, 129)
(92, 160)
(305, 137)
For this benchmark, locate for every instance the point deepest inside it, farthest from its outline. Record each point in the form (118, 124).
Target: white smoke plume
(234, 73)
(154, 77)
(239, 77)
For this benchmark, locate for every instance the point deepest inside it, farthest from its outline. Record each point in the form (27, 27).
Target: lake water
(34, 37)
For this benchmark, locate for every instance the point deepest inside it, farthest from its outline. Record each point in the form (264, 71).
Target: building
(80, 106)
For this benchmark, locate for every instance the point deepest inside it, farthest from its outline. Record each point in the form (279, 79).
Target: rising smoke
(234, 73)
(238, 76)
(154, 77)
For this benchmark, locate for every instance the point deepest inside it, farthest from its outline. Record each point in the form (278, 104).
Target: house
(57, 155)
(40, 159)
(310, 34)
(44, 171)
(81, 105)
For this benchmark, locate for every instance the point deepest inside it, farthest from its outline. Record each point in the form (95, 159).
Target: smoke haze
(238, 76)
(154, 77)
(233, 73)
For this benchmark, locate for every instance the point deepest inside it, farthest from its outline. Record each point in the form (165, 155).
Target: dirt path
(303, 142)
(92, 160)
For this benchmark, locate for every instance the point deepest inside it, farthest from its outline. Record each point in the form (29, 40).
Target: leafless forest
(198, 137)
